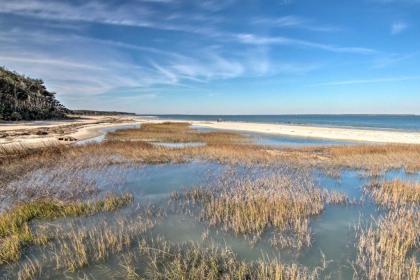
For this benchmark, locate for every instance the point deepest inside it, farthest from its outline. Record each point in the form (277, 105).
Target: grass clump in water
(251, 207)
(190, 261)
(384, 250)
(175, 132)
(395, 193)
(15, 231)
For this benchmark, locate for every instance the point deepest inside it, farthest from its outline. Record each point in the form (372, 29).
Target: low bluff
(24, 98)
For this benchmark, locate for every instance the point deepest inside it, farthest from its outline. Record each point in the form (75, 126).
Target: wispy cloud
(279, 40)
(50, 56)
(49, 61)
(368, 81)
(215, 5)
(398, 27)
(101, 12)
(144, 49)
(294, 22)
(392, 59)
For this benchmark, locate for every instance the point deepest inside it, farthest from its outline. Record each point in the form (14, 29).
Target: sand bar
(90, 128)
(24, 133)
(349, 134)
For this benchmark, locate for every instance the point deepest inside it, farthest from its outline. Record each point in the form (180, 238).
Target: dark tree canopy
(23, 98)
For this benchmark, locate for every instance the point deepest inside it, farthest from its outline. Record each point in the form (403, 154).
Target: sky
(219, 57)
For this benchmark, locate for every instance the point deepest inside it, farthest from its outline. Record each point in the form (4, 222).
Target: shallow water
(333, 232)
(103, 132)
(349, 182)
(256, 138)
(388, 122)
(179, 145)
(156, 182)
(276, 140)
(293, 141)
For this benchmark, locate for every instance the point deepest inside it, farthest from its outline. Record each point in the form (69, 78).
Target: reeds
(251, 207)
(280, 205)
(383, 250)
(80, 246)
(75, 244)
(375, 158)
(395, 193)
(190, 261)
(224, 147)
(15, 231)
(174, 132)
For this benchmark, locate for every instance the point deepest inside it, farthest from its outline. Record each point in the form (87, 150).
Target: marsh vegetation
(126, 208)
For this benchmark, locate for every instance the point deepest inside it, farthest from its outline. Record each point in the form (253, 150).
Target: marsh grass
(384, 249)
(191, 261)
(281, 205)
(176, 133)
(76, 244)
(15, 231)
(395, 193)
(251, 207)
(30, 269)
(376, 158)
(80, 247)
(223, 147)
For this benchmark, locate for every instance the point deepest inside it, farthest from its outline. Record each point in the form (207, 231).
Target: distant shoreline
(90, 128)
(25, 133)
(335, 133)
(404, 123)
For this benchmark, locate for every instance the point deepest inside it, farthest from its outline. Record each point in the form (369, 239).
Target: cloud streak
(294, 22)
(398, 27)
(369, 81)
(286, 41)
(53, 53)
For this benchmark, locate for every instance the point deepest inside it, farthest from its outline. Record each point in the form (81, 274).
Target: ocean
(385, 122)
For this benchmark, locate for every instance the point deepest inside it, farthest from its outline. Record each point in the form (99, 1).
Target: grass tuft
(384, 250)
(15, 231)
(251, 207)
(395, 193)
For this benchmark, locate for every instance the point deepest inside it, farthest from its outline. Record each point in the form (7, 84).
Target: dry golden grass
(251, 207)
(375, 158)
(143, 257)
(229, 148)
(29, 270)
(158, 259)
(383, 250)
(79, 247)
(395, 193)
(15, 231)
(191, 262)
(75, 244)
(174, 133)
(246, 208)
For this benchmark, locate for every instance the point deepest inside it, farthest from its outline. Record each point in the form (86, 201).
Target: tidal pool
(333, 232)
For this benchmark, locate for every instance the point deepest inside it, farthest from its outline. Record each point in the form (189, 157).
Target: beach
(164, 183)
(25, 133)
(336, 133)
(44, 133)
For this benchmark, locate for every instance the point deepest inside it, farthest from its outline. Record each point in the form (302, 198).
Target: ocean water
(387, 122)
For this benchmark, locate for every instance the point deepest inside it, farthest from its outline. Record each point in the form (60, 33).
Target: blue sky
(219, 57)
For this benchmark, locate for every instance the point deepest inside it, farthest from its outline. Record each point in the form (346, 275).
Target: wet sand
(25, 133)
(350, 134)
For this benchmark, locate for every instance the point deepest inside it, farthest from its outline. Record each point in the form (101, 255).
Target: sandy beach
(350, 134)
(26, 133)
